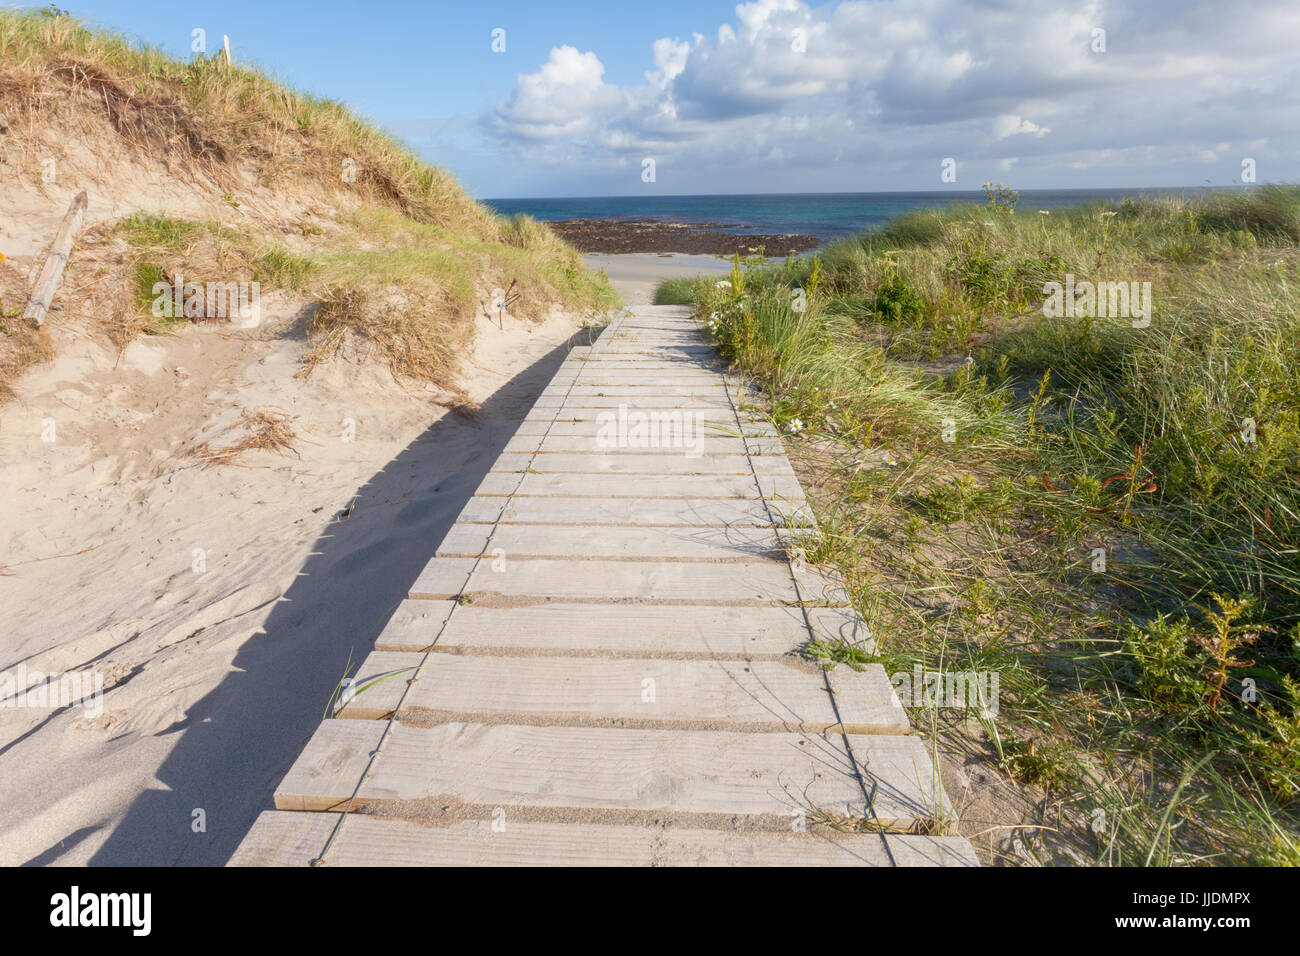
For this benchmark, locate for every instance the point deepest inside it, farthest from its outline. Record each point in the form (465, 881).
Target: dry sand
(219, 605)
(637, 275)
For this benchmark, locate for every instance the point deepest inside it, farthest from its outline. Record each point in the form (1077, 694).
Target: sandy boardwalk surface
(218, 605)
(636, 276)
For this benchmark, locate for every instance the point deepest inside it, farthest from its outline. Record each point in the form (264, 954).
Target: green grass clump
(680, 291)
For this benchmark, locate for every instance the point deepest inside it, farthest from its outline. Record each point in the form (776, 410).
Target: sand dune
(220, 605)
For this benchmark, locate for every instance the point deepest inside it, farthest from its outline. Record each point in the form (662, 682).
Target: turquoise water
(827, 215)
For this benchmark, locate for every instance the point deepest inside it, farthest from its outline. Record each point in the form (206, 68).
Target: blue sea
(827, 215)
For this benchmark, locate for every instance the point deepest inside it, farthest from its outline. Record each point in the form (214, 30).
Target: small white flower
(795, 426)
(722, 284)
(1107, 215)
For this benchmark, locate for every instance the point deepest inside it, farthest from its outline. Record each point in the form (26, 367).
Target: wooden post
(52, 273)
(226, 41)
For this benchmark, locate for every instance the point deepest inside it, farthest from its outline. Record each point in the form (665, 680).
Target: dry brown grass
(426, 350)
(21, 344)
(266, 428)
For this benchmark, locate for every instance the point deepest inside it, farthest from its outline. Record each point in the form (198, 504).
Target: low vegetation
(1104, 508)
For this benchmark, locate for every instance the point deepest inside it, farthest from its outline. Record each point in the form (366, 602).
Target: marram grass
(1103, 509)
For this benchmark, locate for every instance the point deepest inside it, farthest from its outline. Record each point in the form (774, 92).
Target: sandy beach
(637, 275)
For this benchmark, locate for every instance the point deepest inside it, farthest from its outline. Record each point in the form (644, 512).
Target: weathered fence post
(52, 273)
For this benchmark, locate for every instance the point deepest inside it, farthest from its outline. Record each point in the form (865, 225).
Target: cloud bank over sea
(857, 95)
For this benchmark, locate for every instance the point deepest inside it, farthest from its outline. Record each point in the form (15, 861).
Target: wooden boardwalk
(598, 667)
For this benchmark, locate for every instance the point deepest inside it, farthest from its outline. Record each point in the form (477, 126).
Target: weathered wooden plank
(667, 331)
(667, 462)
(608, 360)
(376, 687)
(772, 695)
(628, 630)
(776, 488)
(671, 332)
(633, 512)
(414, 625)
(544, 579)
(635, 379)
(283, 838)
(476, 767)
(820, 585)
(632, 393)
(655, 371)
(647, 402)
(711, 415)
(614, 362)
(604, 541)
(841, 625)
(592, 422)
(660, 351)
(693, 438)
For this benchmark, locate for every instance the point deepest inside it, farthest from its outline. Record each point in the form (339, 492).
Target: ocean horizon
(829, 216)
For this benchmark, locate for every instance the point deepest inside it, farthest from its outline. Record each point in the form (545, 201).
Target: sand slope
(215, 677)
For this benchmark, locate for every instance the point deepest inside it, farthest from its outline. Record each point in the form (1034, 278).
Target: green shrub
(1169, 664)
(895, 301)
(985, 278)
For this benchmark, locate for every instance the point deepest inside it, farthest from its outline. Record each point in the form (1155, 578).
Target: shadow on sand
(236, 743)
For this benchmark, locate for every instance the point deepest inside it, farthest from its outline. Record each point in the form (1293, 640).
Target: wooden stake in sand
(55, 262)
(226, 41)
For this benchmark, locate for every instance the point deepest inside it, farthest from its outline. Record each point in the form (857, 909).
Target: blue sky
(783, 96)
